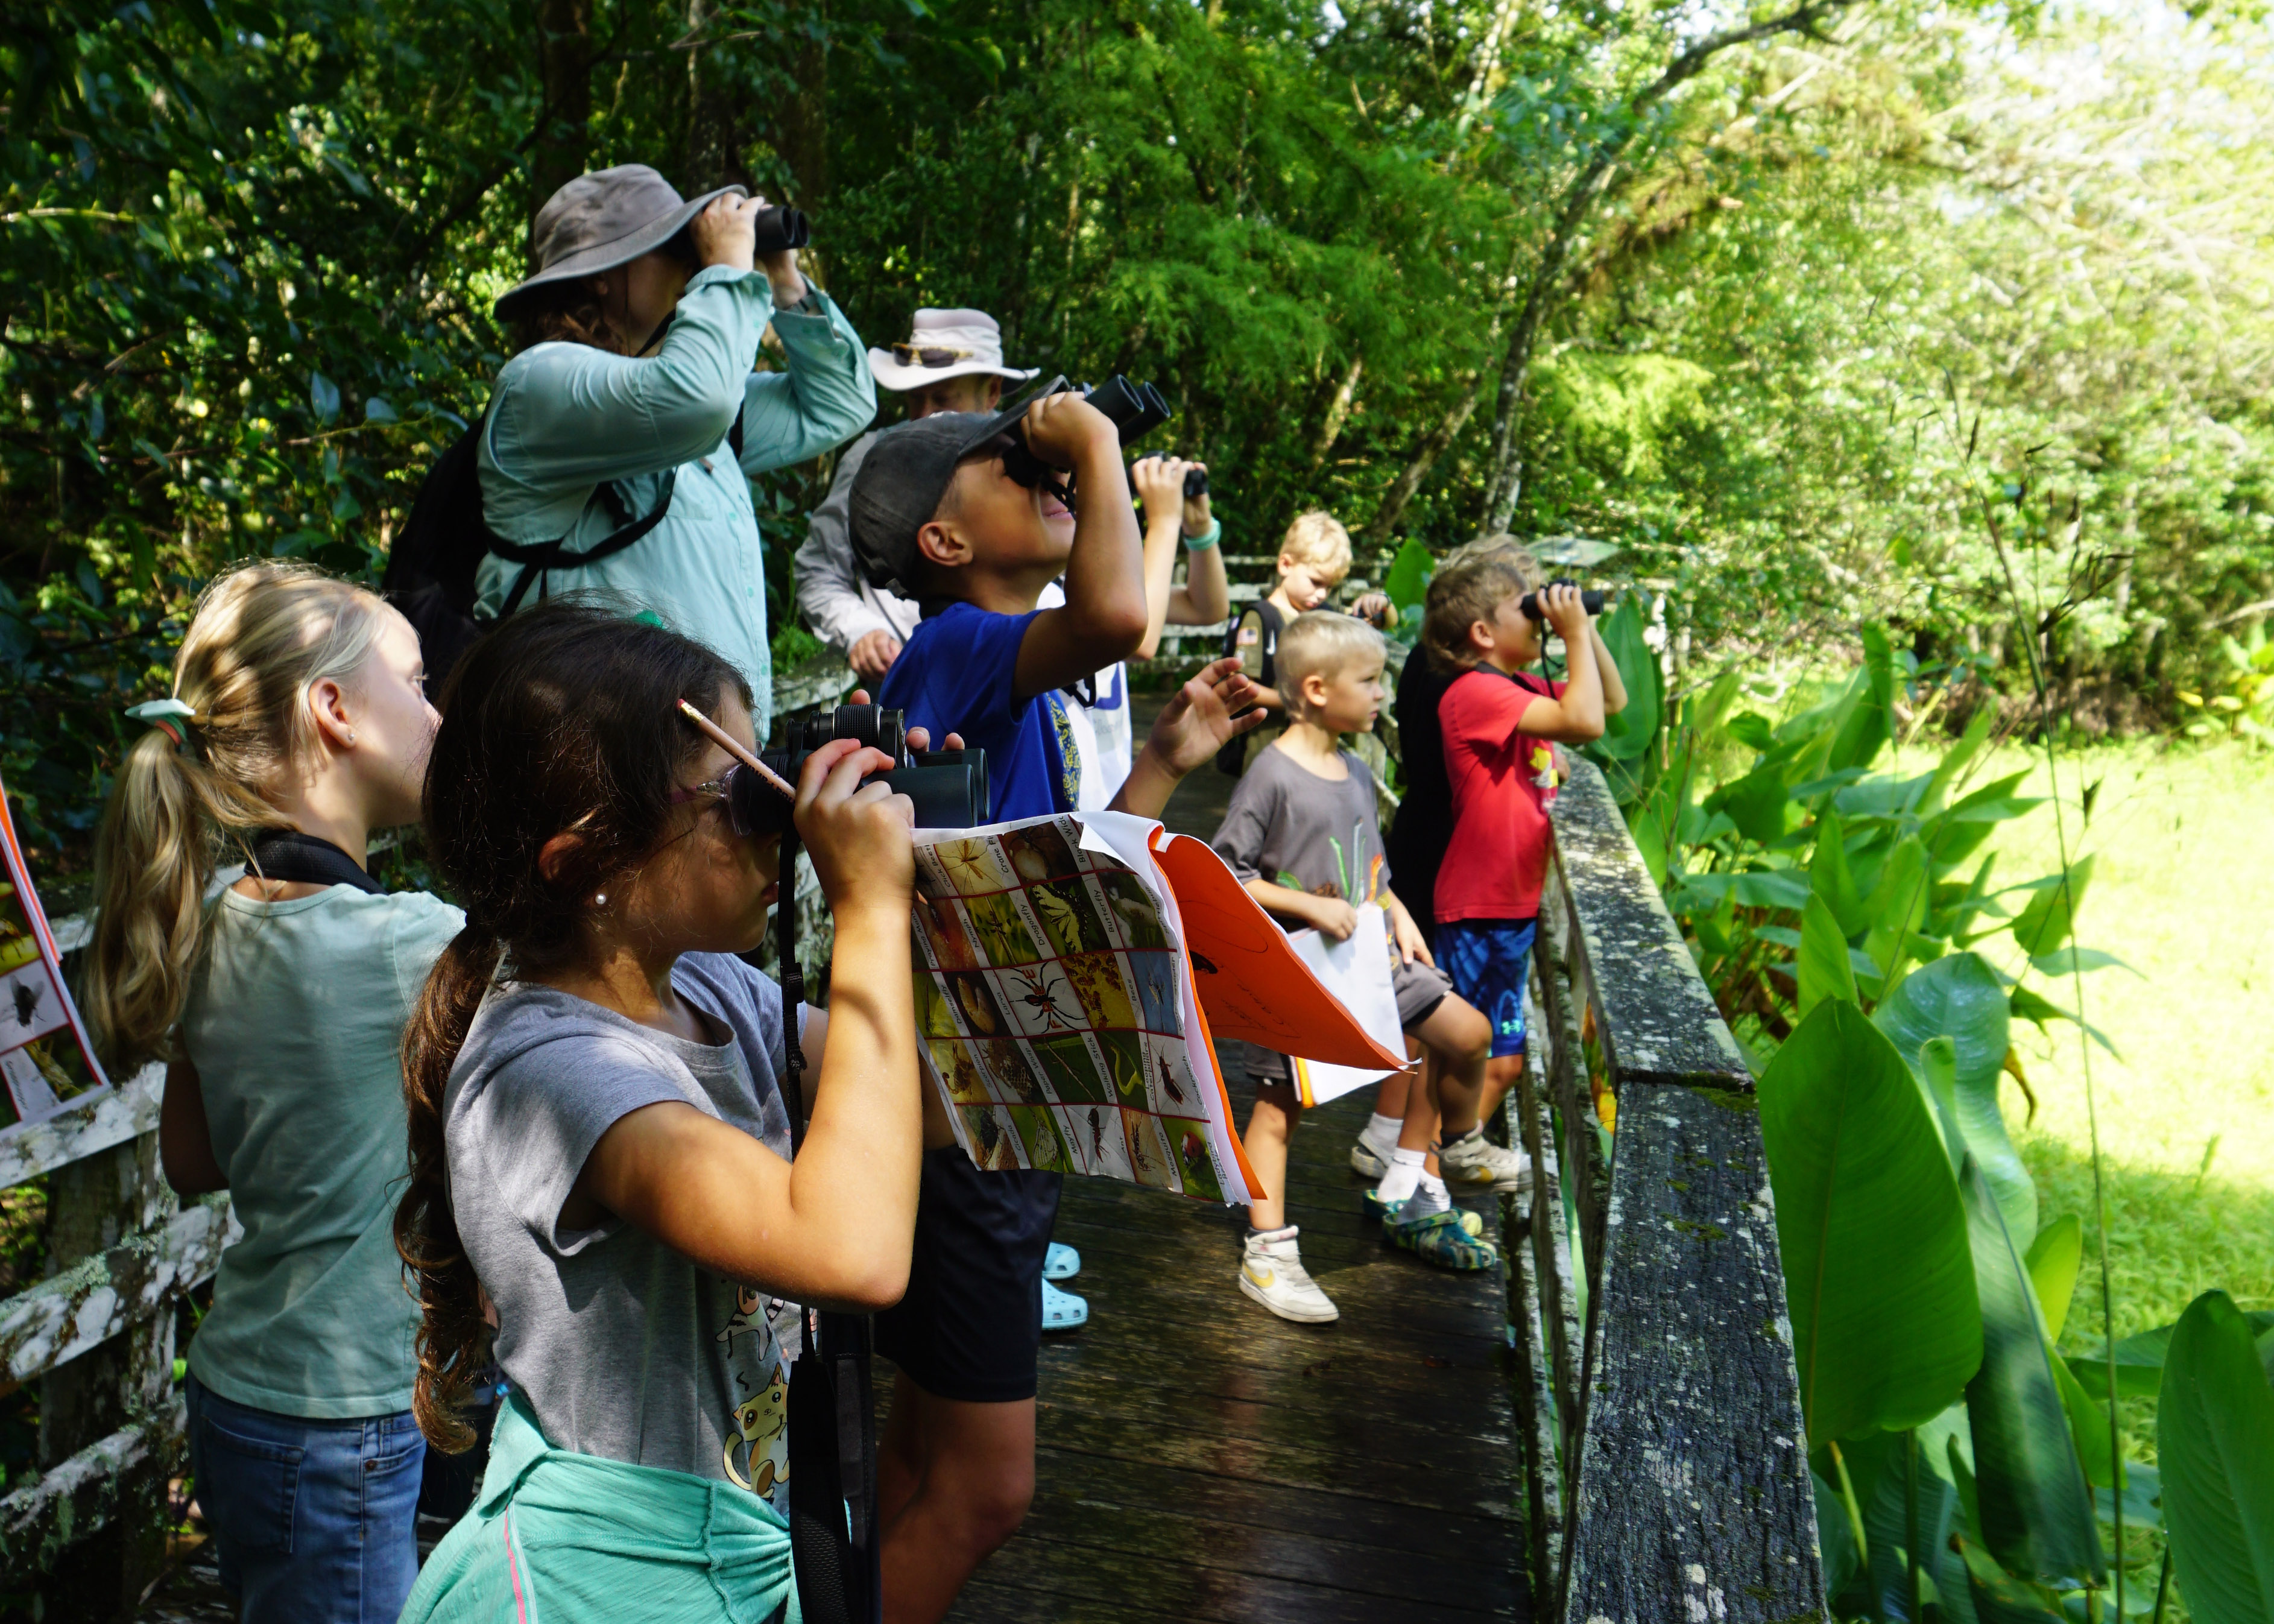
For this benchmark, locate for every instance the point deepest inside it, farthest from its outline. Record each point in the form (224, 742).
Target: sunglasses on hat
(929, 354)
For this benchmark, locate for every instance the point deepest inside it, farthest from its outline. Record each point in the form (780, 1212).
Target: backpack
(1232, 761)
(431, 567)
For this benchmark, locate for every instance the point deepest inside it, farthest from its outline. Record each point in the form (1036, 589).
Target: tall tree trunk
(712, 147)
(564, 72)
(1544, 290)
(1393, 506)
(1337, 411)
(802, 125)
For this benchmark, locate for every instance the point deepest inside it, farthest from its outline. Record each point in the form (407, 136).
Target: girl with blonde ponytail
(297, 725)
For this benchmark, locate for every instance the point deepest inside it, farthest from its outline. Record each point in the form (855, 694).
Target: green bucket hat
(600, 220)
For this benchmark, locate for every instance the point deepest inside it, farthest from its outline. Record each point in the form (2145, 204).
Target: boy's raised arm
(1577, 717)
(1104, 619)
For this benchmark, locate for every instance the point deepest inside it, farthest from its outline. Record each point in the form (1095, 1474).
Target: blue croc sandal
(1387, 1213)
(1062, 1310)
(1061, 1262)
(1442, 1238)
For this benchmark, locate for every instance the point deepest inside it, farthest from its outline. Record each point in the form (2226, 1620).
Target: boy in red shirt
(1500, 725)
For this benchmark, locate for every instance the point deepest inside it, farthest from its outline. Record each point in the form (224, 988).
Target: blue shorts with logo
(1486, 961)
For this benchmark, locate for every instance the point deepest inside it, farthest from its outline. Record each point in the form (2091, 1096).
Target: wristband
(1208, 537)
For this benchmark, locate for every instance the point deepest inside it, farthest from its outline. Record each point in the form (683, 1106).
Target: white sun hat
(943, 344)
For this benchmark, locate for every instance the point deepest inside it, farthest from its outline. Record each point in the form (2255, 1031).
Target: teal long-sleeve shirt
(567, 418)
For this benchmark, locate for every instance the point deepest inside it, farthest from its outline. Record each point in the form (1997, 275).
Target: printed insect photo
(1136, 914)
(1040, 852)
(995, 1148)
(1002, 930)
(1148, 1151)
(1068, 916)
(1155, 976)
(1038, 1132)
(972, 866)
(1124, 1064)
(1194, 1165)
(1040, 998)
(1071, 1071)
(982, 1016)
(942, 935)
(1097, 979)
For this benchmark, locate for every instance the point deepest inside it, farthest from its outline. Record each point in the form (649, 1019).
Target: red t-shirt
(1504, 783)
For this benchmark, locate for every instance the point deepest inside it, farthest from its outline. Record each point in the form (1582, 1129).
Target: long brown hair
(569, 310)
(564, 718)
(261, 636)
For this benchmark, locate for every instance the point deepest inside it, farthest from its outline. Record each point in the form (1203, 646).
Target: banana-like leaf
(1627, 733)
(1956, 759)
(2088, 1428)
(1871, 1226)
(1999, 1597)
(1886, 1524)
(2036, 1510)
(1870, 724)
(1830, 877)
(2214, 1445)
(1823, 969)
(1834, 1539)
(2055, 1256)
(1959, 996)
(1898, 908)
(2052, 914)
(1938, 1079)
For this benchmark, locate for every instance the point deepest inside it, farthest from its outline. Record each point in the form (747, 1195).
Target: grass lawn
(2182, 890)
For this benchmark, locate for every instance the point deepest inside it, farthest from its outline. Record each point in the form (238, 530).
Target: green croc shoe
(1384, 1212)
(1443, 1239)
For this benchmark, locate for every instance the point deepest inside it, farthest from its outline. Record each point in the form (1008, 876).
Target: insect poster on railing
(45, 1056)
(1065, 989)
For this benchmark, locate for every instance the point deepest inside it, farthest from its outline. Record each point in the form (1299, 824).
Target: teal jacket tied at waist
(568, 418)
(557, 1537)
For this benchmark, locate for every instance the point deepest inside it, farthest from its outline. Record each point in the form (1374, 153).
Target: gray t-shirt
(1289, 826)
(623, 1348)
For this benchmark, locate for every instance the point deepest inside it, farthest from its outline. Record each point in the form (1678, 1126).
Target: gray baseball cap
(600, 220)
(903, 478)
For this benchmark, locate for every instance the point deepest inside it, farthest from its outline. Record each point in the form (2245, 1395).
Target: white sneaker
(1474, 1164)
(1370, 1158)
(1271, 1271)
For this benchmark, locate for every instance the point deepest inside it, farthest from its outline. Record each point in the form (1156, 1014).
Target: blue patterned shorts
(1486, 959)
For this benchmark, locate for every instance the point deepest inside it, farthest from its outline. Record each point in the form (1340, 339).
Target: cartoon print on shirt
(1541, 761)
(758, 1430)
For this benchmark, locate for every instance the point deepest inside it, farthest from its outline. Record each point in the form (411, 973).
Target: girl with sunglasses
(598, 1144)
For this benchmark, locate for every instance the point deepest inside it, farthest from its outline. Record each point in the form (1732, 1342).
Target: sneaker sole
(1365, 1163)
(1255, 1293)
(1519, 1186)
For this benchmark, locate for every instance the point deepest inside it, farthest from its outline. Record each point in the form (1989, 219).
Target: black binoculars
(1135, 410)
(949, 787)
(776, 229)
(1195, 482)
(1590, 599)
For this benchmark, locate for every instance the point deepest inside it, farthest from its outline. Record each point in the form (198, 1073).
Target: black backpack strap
(288, 854)
(536, 558)
(734, 435)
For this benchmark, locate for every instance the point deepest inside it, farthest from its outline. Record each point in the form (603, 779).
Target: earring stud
(600, 899)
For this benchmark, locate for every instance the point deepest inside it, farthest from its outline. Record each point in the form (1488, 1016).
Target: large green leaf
(1627, 733)
(1878, 1274)
(1407, 582)
(1869, 723)
(1822, 971)
(2055, 1256)
(1898, 907)
(2052, 914)
(1758, 804)
(1956, 759)
(2215, 1446)
(2036, 1510)
(1830, 877)
(1959, 996)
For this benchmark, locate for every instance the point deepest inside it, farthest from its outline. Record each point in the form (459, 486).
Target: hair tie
(169, 717)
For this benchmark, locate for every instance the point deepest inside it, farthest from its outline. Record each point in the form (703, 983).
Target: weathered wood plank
(1692, 1493)
(81, 1495)
(1658, 1022)
(1537, 1420)
(79, 1309)
(1550, 1241)
(112, 1117)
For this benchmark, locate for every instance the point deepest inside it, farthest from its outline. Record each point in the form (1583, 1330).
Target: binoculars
(1135, 410)
(1195, 482)
(778, 228)
(1590, 599)
(949, 787)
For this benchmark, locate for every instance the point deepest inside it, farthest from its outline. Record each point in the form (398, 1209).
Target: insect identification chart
(1061, 1003)
(46, 1059)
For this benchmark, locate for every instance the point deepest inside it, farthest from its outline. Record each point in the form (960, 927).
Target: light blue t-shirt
(568, 418)
(294, 1023)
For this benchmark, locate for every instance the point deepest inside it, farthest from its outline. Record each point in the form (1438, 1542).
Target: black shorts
(970, 1327)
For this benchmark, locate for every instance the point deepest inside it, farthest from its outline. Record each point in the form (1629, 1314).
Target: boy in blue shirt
(939, 513)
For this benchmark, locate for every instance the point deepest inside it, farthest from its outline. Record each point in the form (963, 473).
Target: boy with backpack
(1314, 557)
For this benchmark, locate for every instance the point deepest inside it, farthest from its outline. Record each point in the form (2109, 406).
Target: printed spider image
(1096, 1135)
(1168, 1080)
(1040, 995)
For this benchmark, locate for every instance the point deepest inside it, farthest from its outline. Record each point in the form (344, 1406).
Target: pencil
(732, 747)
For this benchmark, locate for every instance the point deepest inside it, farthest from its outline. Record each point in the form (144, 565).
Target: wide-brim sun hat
(600, 220)
(943, 344)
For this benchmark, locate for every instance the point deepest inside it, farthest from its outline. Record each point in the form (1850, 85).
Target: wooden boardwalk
(1201, 1459)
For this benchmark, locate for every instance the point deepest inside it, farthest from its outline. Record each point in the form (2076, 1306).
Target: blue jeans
(315, 1522)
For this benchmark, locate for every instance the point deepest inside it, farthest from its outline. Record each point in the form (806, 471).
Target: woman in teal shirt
(638, 333)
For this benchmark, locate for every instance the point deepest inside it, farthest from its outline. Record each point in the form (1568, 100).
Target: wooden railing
(1663, 1452)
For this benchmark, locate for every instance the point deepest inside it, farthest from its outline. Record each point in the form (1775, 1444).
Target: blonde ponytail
(263, 635)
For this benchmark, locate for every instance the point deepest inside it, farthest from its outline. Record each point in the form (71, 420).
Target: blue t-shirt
(958, 674)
